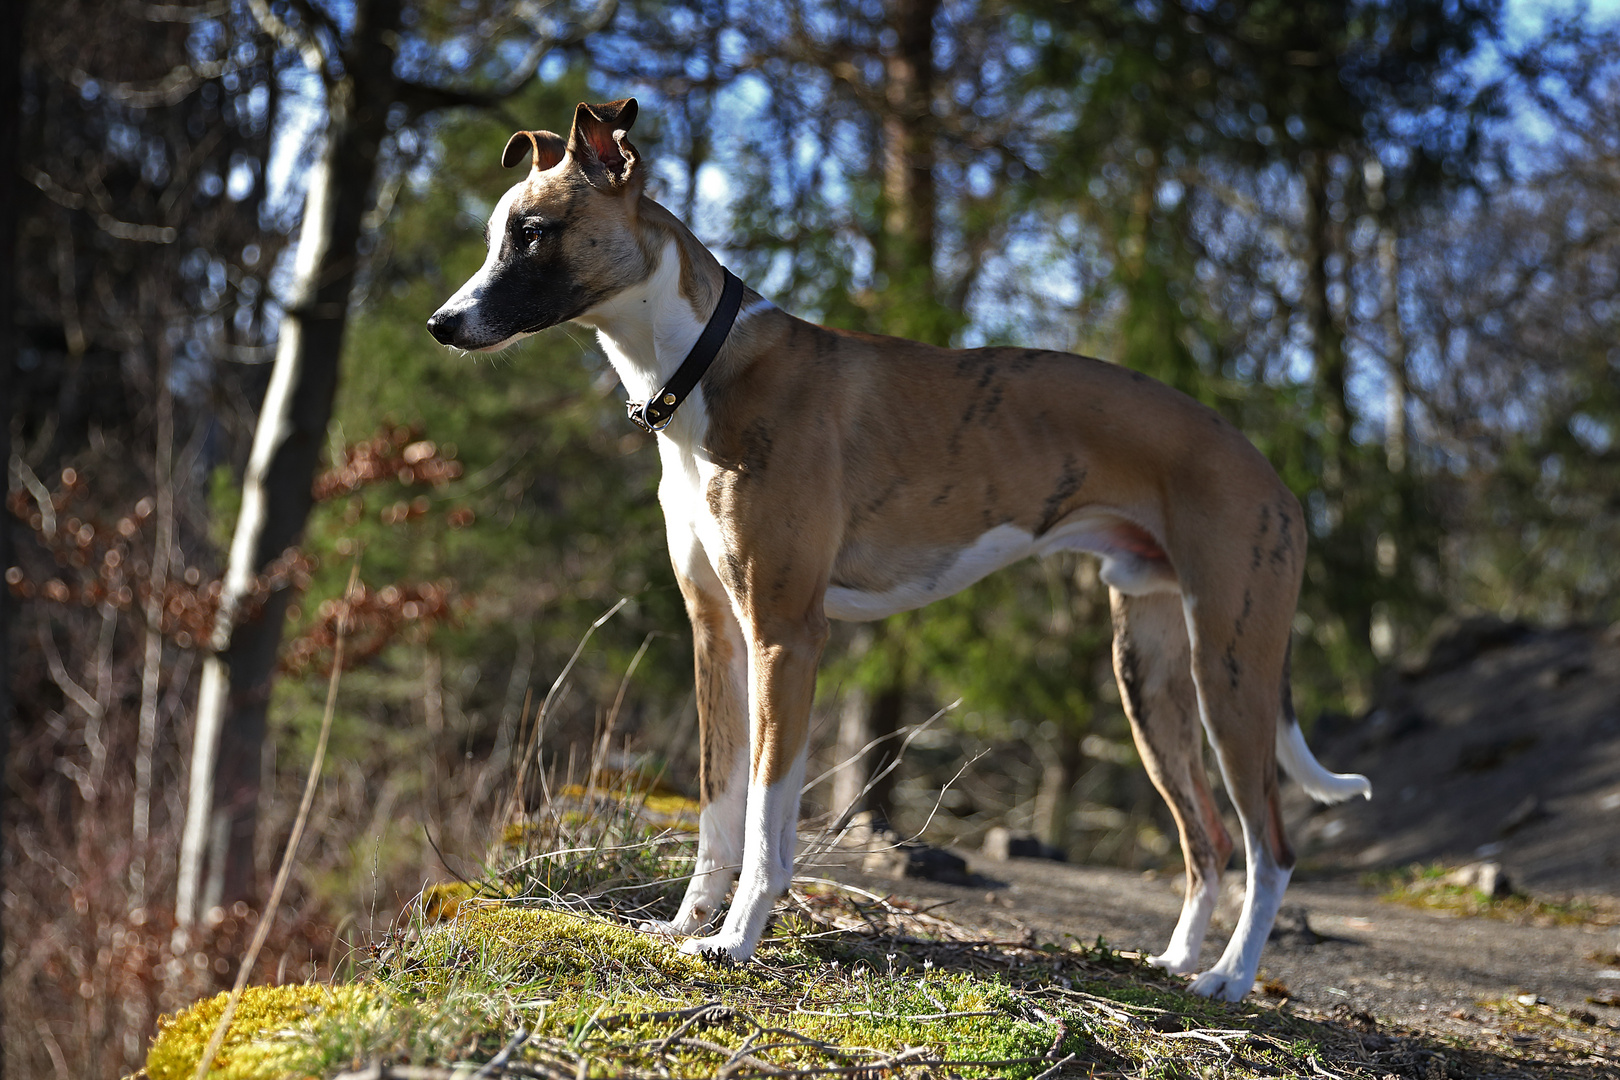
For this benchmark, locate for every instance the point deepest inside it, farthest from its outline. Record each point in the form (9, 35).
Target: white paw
(717, 946)
(680, 926)
(1217, 984)
(1176, 963)
(661, 928)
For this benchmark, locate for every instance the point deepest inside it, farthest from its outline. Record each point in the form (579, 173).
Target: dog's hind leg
(1238, 627)
(721, 658)
(1154, 668)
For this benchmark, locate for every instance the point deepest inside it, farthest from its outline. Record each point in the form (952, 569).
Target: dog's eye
(530, 234)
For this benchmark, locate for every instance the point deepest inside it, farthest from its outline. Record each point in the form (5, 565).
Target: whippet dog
(813, 474)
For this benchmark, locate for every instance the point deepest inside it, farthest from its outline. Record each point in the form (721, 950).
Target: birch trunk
(216, 857)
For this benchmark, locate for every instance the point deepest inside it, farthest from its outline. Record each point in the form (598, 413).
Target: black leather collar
(653, 414)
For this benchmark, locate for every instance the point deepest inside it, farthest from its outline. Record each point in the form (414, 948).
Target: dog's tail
(1320, 784)
(1298, 761)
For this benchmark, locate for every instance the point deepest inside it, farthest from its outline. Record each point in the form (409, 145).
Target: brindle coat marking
(820, 473)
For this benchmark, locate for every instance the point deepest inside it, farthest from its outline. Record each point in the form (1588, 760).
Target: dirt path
(1411, 969)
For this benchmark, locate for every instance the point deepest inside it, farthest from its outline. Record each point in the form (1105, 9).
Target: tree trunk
(1328, 339)
(11, 26)
(1395, 351)
(1052, 801)
(1344, 550)
(868, 716)
(909, 197)
(906, 255)
(222, 812)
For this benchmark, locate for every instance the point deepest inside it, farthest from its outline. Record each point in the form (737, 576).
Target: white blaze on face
(466, 300)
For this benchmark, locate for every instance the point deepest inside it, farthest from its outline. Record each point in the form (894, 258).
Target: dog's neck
(648, 328)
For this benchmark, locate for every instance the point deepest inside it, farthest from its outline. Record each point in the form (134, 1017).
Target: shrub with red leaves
(390, 455)
(373, 618)
(101, 563)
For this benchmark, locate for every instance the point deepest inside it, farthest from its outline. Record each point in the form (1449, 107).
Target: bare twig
(41, 494)
(302, 40)
(423, 97)
(152, 661)
(75, 693)
(613, 713)
(1056, 1067)
(103, 673)
(711, 1012)
(495, 1064)
(551, 696)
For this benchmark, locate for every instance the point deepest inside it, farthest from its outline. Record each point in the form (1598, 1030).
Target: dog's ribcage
(915, 574)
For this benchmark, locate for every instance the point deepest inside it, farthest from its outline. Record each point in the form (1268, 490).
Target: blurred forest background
(1382, 236)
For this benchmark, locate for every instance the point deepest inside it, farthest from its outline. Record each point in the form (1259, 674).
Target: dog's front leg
(782, 658)
(720, 655)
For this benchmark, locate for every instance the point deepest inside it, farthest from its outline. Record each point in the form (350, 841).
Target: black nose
(443, 326)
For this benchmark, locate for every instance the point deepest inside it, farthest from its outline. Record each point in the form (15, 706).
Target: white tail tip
(1320, 784)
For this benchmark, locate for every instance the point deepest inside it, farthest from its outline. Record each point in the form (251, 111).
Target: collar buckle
(640, 410)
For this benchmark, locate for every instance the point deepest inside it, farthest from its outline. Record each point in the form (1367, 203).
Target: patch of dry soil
(1412, 969)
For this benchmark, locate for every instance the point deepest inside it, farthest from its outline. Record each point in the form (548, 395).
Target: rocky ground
(1499, 745)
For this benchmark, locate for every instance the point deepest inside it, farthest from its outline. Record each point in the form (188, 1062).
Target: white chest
(696, 540)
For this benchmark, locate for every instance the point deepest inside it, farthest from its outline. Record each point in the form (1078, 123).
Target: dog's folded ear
(543, 149)
(598, 142)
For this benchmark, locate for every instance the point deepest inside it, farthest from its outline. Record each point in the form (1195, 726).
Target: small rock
(998, 843)
(1487, 877)
(1388, 725)
(1489, 754)
(913, 860)
(1003, 843)
(1554, 677)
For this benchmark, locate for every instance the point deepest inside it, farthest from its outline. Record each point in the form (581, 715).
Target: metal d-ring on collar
(656, 412)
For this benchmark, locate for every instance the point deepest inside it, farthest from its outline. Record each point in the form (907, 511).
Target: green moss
(1425, 886)
(273, 1032)
(957, 1017)
(557, 948)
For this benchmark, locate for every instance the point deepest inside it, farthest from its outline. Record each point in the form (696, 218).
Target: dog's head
(562, 240)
